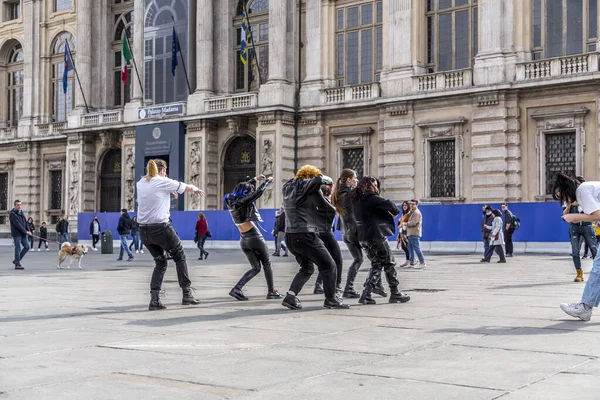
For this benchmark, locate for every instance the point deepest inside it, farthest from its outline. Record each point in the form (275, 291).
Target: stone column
(130, 111)
(204, 57)
(224, 36)
(31, 51)
(310, 94)
(495, 62)
(401, 65)
(83, 56)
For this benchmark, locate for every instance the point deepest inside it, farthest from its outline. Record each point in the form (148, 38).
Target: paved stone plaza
(471, 331)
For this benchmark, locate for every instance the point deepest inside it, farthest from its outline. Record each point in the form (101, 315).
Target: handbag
(208, 234)
(196, 237)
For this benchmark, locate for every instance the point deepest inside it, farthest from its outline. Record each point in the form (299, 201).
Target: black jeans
(200, 244)
(405, 249)
(379, 253)
(357, 260)
(95, 240)
(254, 246)
(508, 241)
(161, 239)
(490, 252)
(334, 249)
(310, 250)
(42, 241)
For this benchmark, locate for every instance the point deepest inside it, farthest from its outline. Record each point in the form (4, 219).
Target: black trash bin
(107, 243)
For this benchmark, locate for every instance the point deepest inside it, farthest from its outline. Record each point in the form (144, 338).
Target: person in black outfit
(95, 230)
(375, 222)
(345, 183)
(302, 198)
(43, 236)
(19, 233)
(325, 221)
(486, 227)
(240, 203)
(402, 232)
(279, 233)
(30, 228)
(509, 229)
(124, 229)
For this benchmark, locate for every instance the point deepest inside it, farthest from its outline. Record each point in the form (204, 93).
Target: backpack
(516, 222)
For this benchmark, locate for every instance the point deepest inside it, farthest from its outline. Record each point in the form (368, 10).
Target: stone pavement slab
(470, 331)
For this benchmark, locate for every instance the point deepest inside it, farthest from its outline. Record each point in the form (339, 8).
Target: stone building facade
(455, 101)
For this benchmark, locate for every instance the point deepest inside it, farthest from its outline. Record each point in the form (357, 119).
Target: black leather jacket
(324, 213)
(348, 223)
(374, 217)
(243, 209)
(301, 197)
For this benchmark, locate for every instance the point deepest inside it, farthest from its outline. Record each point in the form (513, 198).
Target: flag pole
(182, 59)
(253, 45)
(87, 110)
(135, 66)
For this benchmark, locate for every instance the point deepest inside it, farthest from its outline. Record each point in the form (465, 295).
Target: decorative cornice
(397, 109)
(194, 126)
(21, 147)
(433, 124)
(267, 118)
(129, 133)
(565, 112)
(487, 99)
(351, 131)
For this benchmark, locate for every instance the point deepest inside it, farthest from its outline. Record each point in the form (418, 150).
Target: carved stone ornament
(74, 185)
(194, 126)
(267, 157)
(237, 125)
(110, 139)
(397, 109)
(487, 99)
(195, 163)
(267, 119)
(560, 124)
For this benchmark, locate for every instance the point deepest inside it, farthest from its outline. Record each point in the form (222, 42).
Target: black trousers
(334, 249)
(42, 241)
(382, 260)
(357, 259)
(255, 248)
(161, 239)
(495, 248)
(309, 250)
(95, 240)
(200, 244)
(508, 241)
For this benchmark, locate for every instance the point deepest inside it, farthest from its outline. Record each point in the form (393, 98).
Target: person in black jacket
(301, 198)
(95, 230)
(43, 236)
(345, 183)
(124, 229)
(62, 228)
(279, 233)
(486, 227)
(374, 217)
(19, 233)
(240, 203)
(30, 228)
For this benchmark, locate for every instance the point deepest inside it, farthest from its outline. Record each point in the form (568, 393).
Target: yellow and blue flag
(245, 38)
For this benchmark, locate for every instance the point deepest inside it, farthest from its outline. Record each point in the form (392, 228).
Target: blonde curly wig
(308, 172)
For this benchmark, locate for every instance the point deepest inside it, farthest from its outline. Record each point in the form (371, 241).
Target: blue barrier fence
(540, 222)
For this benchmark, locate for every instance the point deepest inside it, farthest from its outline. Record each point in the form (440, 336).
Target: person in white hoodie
(496, 239)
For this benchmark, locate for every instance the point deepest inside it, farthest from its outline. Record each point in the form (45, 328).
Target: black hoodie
(125, 224)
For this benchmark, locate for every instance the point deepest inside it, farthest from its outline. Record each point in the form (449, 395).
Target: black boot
(398, 297)
(155, 303)
(366, 298)
(336, 303)
(201, 258)
(318, 289)
(351, 294)
(379, 289)
(237, 294)
(290, 301)
(273, 294)
(188, 297)
(206, 255)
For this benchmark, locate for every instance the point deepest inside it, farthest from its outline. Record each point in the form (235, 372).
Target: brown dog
(67, 250)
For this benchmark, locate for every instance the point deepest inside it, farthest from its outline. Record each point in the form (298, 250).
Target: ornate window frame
(54, 163)
(558, 121)
(7, 166)
(352, 137)
(443, 130)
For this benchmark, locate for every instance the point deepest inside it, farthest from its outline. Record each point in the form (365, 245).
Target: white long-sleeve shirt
(154, 199)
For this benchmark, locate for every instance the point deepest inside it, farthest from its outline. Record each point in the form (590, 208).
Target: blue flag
(68, 67)
(175, 48)
(245, 38)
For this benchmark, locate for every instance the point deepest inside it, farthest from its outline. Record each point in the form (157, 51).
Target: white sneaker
(95, 249)
(142, 251)
(38, 249)
(419, 266)
(577, 310)
(47, 249)
(137, 252)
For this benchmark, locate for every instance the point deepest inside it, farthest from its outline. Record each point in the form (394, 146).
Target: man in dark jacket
(124, 229)
(486, 227)
(19, 233)
(509, 228)
(62, 228)
(279, 232)
(300, 197)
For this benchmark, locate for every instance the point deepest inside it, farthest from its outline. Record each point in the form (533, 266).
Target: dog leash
(45, 239)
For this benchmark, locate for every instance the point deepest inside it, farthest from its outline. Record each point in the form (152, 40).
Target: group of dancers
(311, 201)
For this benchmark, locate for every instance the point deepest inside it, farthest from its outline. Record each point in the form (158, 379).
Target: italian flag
(125, 58)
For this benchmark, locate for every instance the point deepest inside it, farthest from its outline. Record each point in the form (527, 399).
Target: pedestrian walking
(279, 233)
(62, 228)
(136, 242)
(414, 231)
(201, 234)
(154, 201)
(580, 231)
(486, 227)
(242, 208)
(124, 229)
(402, 233)
(374, 217)
(30, 228)
(497, 239)
(300, 197)
(568, 190)
(19, 233)
(43, 236)
(509, 229)
(95, 230)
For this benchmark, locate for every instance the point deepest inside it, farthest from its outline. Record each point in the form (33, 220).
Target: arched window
(359, 43)
(564, 27)
(246, 75)
(452, 34)
(160, 86)
(121, 91)
(62, 103)
(14, 86)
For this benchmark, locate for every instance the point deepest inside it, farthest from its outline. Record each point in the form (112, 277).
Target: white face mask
(488, 213)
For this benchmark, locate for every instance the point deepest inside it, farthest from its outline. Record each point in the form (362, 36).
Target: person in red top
(201, 234)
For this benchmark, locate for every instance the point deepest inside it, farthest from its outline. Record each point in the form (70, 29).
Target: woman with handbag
(201, 234)
(402, 236)
(496, 239)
